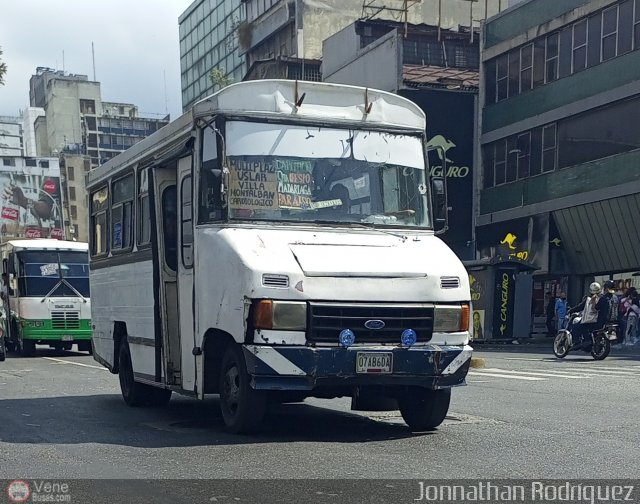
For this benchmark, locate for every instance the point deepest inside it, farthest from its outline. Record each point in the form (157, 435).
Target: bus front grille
(65, 320)
(370, 322)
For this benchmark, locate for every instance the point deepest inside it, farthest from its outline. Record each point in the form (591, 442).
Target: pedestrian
(561, 310)
(623, 310)
(633, 315)
(550, 312)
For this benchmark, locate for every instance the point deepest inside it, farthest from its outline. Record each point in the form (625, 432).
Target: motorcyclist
(597, 309)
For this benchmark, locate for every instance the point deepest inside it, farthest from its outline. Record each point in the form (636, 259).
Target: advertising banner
(30, 203)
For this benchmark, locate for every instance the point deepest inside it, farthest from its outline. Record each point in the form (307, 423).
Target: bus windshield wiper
(363, 226)
(58, 284)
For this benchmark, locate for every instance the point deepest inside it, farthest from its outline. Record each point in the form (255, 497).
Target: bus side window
(170, 226)
(144, 209)
(210, 203)
(99, 235)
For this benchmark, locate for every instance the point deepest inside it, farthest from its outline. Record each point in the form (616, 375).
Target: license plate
(374, 362)
(67, 337)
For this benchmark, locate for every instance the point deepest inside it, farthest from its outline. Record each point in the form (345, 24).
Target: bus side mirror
(440, 206)
(224, 186)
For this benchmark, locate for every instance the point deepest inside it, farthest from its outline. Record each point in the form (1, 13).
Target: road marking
(61, 361)
(609, 368)
(538, 373)
(510, 376)
(606, 372)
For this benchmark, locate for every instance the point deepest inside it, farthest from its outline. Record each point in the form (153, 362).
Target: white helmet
(595, 288)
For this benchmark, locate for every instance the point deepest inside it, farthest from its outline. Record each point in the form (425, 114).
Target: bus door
(186, 305)
(166, 236)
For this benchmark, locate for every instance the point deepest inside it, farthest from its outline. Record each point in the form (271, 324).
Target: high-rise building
(560, 184)
(209, 34)
(84, 131)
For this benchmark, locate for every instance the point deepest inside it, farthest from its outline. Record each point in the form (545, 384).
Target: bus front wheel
(28, 348)
(243, 408)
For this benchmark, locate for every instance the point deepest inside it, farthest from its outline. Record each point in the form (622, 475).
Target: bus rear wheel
(133, 393)
(137, 394)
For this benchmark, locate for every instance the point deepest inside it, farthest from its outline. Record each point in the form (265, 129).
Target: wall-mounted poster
(30, 203)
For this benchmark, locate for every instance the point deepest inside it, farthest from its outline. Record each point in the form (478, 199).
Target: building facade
(29, 118)
(251, 39)
(209, 32)
(438, 70)
(560, 179)
(11, 141)
(83, 131)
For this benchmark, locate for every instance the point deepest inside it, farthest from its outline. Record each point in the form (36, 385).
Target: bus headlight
(451, 318)
(280, 315)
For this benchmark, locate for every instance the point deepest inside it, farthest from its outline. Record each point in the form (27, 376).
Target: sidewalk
(543, 343)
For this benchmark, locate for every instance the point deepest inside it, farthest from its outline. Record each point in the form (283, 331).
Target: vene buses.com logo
(18, 491)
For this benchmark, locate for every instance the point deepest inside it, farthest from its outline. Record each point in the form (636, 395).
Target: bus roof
(322, 101)
(335, 103)
(46, 244)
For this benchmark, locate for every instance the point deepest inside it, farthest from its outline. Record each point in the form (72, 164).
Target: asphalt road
(524, 415)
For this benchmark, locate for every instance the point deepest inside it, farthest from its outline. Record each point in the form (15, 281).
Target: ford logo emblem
(374, 324)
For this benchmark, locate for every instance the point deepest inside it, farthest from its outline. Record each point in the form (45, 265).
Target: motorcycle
(598, 344)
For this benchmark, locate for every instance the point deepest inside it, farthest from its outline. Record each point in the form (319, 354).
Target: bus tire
(85, 346)
(424, 409)
(134, 393)
(28, 348)
(243, 408)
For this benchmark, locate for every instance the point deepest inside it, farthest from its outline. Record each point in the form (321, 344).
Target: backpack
(614, 308)
(623, 308)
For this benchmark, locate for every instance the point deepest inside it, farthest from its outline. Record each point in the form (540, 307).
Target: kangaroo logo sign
(450, 153)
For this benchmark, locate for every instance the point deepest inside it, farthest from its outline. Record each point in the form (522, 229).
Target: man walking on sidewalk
(561, 310)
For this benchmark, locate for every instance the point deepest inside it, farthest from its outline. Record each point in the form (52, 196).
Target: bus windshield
(54, 273)
(281, 172)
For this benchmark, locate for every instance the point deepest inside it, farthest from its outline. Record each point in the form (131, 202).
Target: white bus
(277, 242)
(46, 299)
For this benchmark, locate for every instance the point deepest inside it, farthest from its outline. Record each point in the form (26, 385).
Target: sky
(137, 55)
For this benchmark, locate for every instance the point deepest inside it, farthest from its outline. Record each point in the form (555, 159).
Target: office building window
(610, 33)
(579, 46)
(73, 212)
(70, 173)
(625, 27)
(526, 68)
(72, 193)
(636, 25)
(549, 148)
(502, 77)
(551, 57)
(523, 145)
(500, 161)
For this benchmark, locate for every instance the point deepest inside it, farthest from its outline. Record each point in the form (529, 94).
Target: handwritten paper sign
(49, 269)
(252, 185)
(294, 182)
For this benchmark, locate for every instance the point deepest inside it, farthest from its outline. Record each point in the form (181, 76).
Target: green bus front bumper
(43, 330)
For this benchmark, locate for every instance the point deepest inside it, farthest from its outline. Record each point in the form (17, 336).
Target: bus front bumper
(308, 368)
